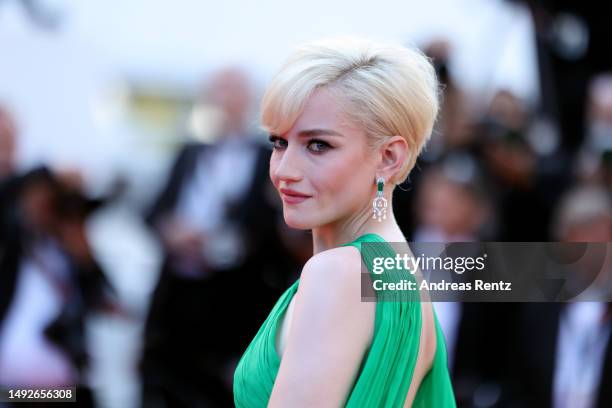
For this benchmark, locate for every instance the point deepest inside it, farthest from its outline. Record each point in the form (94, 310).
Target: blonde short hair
(389, 90)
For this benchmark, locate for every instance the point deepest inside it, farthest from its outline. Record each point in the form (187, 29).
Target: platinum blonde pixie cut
(386, 89)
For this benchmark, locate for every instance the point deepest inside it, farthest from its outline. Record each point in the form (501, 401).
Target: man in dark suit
(224, 264)
(562, 352)
(544, 357)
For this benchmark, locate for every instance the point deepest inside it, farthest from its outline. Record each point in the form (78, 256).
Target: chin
(304, 220)
(297, 222)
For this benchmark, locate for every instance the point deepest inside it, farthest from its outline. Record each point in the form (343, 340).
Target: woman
(347, 119)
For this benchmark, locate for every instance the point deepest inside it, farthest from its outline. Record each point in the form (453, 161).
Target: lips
(292, 197)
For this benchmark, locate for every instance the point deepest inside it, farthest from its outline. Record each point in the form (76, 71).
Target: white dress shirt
(581, 347)
(223, 175)
(27, 358)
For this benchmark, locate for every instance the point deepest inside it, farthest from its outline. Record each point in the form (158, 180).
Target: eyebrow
(318, 132)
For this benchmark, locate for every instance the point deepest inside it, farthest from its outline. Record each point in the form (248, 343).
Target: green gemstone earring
(379, 205)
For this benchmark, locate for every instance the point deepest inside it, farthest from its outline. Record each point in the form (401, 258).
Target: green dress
(387, 367)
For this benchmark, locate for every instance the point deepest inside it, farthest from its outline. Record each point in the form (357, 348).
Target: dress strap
(374, 250)
(389, 363)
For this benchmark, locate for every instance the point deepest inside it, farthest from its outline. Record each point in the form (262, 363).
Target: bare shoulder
(334, 273)
(329, 295)
(330, 332)
(334, 263)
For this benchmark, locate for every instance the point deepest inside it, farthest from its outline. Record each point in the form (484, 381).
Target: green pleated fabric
(387, 367)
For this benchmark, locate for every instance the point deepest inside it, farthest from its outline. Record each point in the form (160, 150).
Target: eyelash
(275, 140)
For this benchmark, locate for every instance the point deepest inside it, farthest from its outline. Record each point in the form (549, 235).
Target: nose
(285, 165)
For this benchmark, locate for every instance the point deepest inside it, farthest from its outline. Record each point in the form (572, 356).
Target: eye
(277, 142)
(318, 146)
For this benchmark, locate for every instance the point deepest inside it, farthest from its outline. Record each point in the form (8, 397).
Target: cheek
(272, 170)
(344, 179)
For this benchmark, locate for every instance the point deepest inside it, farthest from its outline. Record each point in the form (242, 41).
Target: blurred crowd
(494, 170)
(501, 171)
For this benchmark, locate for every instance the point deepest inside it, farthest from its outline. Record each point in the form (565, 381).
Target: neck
(340, 232)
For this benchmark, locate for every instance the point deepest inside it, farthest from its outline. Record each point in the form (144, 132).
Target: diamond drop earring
(379, 205)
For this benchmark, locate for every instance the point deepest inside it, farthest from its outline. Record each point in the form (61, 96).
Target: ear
(394, 153)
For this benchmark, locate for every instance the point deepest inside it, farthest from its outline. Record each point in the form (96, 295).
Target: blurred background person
(452, 203)
(594, 161)
(217, 221)
(50, 280)
(562, 352)
(524, 185)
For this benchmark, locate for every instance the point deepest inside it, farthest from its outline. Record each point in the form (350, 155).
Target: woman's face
(322, 167)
